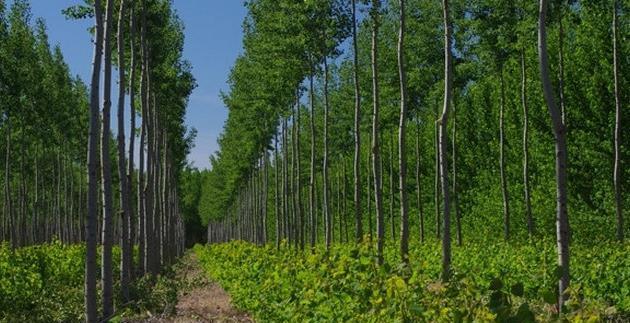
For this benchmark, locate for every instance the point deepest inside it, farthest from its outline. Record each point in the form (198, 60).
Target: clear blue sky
(213, 41)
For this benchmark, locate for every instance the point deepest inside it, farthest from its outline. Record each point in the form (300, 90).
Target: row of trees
(49, 118)
(150, 35)
(294, 139)
(43, 123)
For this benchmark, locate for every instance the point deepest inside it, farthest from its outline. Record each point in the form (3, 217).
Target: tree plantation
(381, 161)
(51, 121)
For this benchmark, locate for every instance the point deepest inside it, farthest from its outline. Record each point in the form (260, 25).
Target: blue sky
(213, 41)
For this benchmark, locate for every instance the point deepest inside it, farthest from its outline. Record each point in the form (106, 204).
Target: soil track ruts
(200, 299)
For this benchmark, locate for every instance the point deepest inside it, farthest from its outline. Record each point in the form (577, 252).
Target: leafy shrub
(497, 282)
(157, 295)
(45, 283)
(42, 283)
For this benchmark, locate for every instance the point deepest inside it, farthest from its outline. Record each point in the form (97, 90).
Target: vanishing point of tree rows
(411, 120)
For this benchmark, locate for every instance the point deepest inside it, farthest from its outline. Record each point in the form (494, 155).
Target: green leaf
(78, 12)
(517, 289)
(496, 300)
(354, 253)
(496, 284)
(549, 297)
(525, 314)
(458, 316)
(416, 309)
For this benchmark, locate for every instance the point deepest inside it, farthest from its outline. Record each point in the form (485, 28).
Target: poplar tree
(559, 131)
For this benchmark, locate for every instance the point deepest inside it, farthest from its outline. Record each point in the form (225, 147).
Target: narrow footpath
(200, 299)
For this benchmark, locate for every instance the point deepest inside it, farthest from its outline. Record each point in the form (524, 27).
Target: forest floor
(200, 299)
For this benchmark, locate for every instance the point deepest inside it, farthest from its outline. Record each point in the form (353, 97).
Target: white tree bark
(358, 213)
(106, 172)
(376, 158)
(559, 130)
(617, 168)
(402, 157)
(443, 144)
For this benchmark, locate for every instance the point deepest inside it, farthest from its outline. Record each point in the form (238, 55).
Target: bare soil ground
(200, 299)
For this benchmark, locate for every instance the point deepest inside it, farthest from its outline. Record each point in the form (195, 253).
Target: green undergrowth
(45, 283)
(153, 297)
(491, 282)
(42, 283)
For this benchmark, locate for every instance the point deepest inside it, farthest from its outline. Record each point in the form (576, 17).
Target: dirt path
(199, 299)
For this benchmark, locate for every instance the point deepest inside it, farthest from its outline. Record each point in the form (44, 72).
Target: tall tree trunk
(561, 60)
(299, 225)
(327, 214)
(132, 133)
(292, 180)
(436, 189)
(458, 220)
(256, 203)
(151, 256)
(90, 297)
(282, 192)
(156, 189)
(311, 189)
(81, 212)
(70, 204)
(241, 218)
(265, 195)
(22, 200)
(125, 264)
(147, 224)
(106, 170)
(358, 214)
(250, 210)
(318, 206)
(504, 188)
(391, 187)
(63, 172)
(559, 129)
(617, 171)
(418, 182)
(75, 229)
(340, 198)
(528, 204)
(171, 191)
(162, 158)
(277, 191)
(368, 187)
(260, 200)
(7, 186)
(36, 205)
(402, 156)
(285, 192)
(8, 220)
(253, 200)
(376, 159)
(344, 200)
(60, 216)
(4, 224)
(448, 81)
(142, 256)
